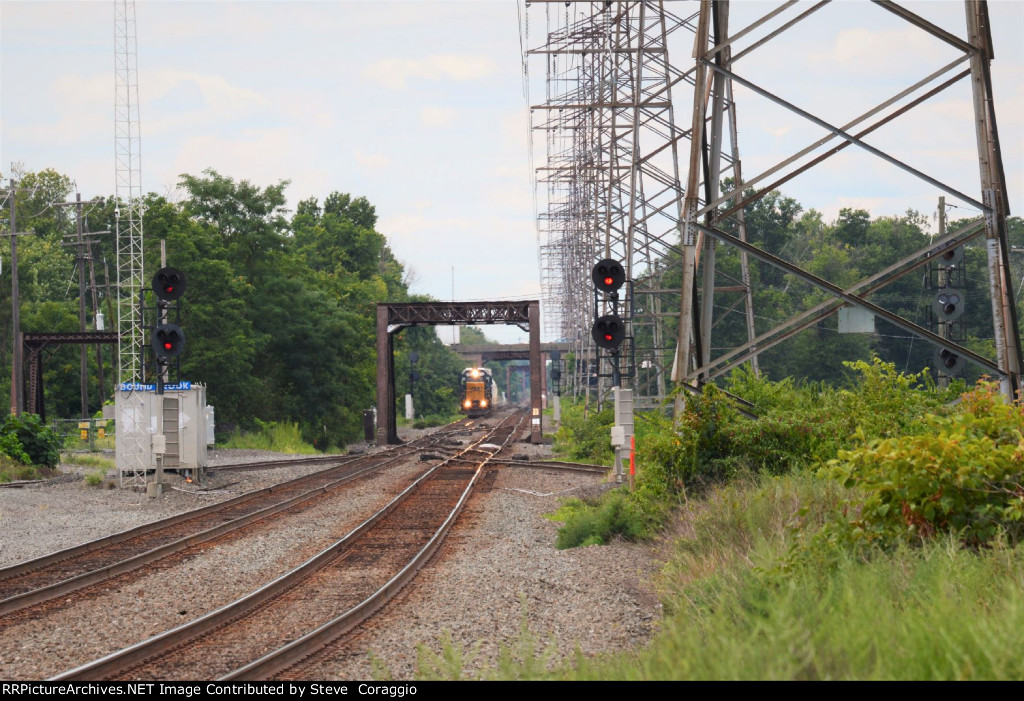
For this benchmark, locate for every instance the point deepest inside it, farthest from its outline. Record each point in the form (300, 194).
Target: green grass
(277, 437)
(598, 522)
(11, 471)
(95, 478)
(938, 612)
(87, 460)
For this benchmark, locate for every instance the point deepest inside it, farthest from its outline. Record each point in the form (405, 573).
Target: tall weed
(273, 436)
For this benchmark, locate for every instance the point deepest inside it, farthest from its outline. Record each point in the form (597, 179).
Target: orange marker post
(632, 459)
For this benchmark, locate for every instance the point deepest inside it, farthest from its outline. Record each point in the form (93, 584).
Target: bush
(25, 439)
(586, 436)
(964, 476)
(598, 522)
(798, 427)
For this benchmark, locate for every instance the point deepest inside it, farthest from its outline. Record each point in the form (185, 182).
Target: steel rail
(39, 595)
(271, 464)
(560, 465)
(138, 653)
(72, 584)
(298, 649)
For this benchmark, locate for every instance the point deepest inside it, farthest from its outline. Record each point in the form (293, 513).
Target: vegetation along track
(290, 618)
(35, 582)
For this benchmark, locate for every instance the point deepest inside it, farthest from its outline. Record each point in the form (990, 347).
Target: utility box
(211, 424)
(618, 437)
(179, 415)
(624, 411)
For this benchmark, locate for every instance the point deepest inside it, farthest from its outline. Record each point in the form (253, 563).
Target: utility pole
(96, 322)
(17, 369)
(80, 242)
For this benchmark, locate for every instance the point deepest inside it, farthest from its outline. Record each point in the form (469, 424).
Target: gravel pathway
(498, 569)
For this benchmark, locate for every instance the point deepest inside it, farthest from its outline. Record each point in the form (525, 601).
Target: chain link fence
(80, 435)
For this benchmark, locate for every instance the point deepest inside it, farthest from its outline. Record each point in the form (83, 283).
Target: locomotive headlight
(467, 404)
(483, 403)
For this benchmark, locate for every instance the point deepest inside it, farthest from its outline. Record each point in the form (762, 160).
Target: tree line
(279, 313)
(845, 251)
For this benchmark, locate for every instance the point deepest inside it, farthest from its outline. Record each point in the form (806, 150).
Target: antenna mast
(128, 190)
(131, 451)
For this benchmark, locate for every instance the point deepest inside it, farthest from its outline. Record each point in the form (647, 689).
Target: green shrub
(964, 476)
(798, 427)
(615, 514)
(27, 440)
(585, 435)
(11, 447)
(94, 479)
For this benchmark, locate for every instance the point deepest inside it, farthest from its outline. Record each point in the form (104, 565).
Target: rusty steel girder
(458, 313)
(33, 344)
(392, 318)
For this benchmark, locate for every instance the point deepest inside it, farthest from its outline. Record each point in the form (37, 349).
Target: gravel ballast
(498, 569)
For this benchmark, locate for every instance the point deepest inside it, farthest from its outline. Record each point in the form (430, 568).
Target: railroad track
(273, 629)
(286, 462)
(35, 582)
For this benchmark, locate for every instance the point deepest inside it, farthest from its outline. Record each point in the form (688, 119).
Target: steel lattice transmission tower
(624, 180)
(716, 54)
(131, 453)
(612, 179)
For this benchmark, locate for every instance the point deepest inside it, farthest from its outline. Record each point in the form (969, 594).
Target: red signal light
(168, 341)
(169, 284)
(608, 332)
(608, 275)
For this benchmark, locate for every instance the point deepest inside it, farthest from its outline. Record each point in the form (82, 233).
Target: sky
(419, 106)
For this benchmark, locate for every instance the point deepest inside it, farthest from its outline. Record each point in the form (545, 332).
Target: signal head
(168, 341)
(951, 257)
(608, 275)
(169, 284)
(948, 304)
(947, 362)
(608, 331)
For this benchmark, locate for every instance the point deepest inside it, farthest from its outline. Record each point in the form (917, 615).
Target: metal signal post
(609, 330)
(167, 340)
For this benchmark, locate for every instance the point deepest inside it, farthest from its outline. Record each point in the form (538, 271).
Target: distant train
(478, 393)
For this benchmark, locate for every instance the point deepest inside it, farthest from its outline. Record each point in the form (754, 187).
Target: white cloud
(395, 72)
(219, 93)
(433, 116)
(863, 50)
(777, 132)
(373, 162)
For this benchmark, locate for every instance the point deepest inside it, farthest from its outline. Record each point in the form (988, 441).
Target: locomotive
(478, 393)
